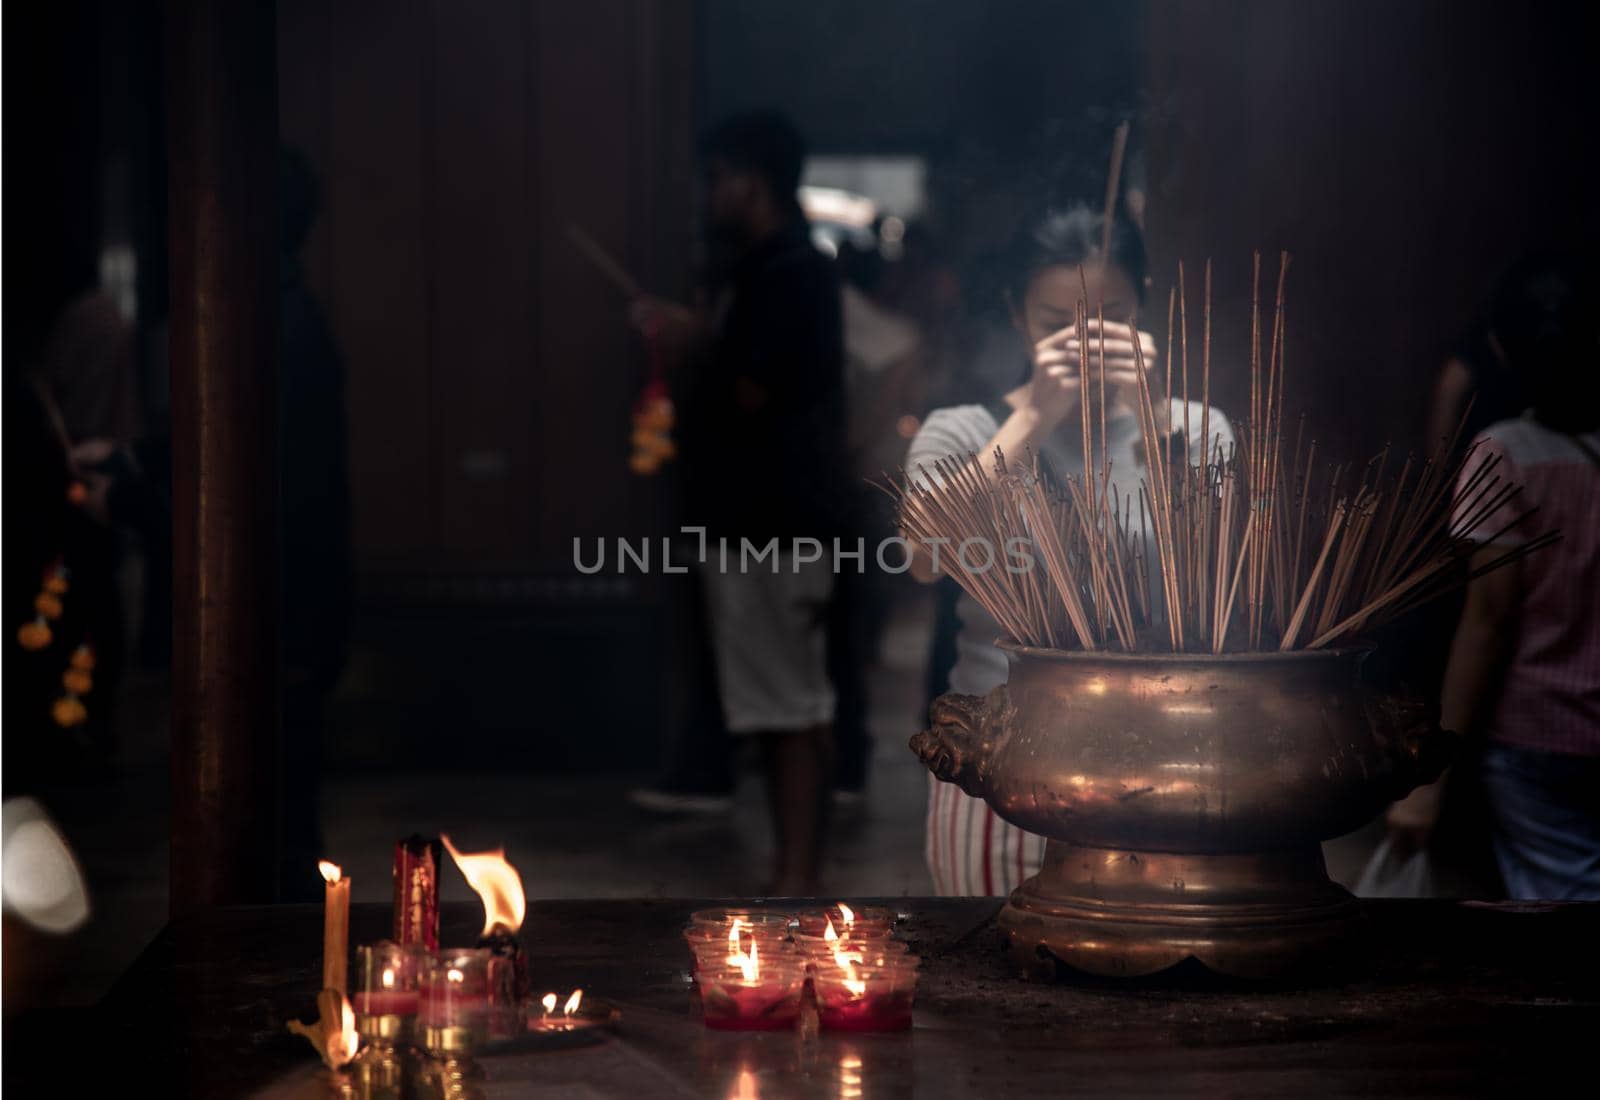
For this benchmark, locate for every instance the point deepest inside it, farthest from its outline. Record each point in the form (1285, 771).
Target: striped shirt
(1550, 698)
(969, 850)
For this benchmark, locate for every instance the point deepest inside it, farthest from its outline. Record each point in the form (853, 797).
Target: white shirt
(961, 430)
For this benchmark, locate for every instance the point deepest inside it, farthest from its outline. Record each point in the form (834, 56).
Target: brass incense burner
(1185, 798)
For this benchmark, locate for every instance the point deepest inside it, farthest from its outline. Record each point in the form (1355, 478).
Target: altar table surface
(1442, 998)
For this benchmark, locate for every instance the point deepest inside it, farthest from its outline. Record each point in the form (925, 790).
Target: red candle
(437, 1009)
(387, 1003)
(889, 1010)
(767, 1007)
(856, 996)
(752, 993)
(453, 1013)
(388, 987)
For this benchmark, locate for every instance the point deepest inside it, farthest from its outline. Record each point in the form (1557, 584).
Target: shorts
(769, 635)
(1546, 824)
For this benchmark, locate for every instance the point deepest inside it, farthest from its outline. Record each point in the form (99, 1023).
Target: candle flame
(497, 885)
(331, 872)
(852, 980)
(388, 978)
(334, 1035)
(735, 930)
(846, 961)
(746, 1087)
(573, 1002)
(343, 1044)
(847, 913)
(749, 965)
(549, 1003)
(454, 975)
(829, 933)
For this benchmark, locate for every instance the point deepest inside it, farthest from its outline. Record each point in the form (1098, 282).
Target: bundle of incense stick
(1256, 547)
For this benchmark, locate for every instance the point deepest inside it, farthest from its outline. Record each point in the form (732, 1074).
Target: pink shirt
(1551, 696)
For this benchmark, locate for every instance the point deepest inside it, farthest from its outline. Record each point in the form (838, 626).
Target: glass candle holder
(711, 932)
(733, 938)
(386, 998)
(507, 1016)
(846, 920)
(863, 937)
(714, 954)
(454, 1003)
(767, 921)
(865, 997)
(819, 954)
(766, 998)
(864, 943)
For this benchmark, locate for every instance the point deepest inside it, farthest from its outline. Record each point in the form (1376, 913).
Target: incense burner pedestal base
(1126, 913)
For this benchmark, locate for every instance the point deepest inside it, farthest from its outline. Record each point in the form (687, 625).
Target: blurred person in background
(1477, 383)
(884, 381)
(75, 424)
(1475, 387)
(314, 517)
(61, 595)
(763, 459)
(1524, 667)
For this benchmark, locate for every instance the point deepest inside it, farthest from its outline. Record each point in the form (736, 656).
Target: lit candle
(335, 928)
(710, 930)
(388, 978)
(748, 993)
(854, 995)
(841, 920)
(453, 1009)
(551, 1020)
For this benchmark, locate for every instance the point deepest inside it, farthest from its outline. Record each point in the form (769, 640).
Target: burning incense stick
(1119, 146)
(603, 262)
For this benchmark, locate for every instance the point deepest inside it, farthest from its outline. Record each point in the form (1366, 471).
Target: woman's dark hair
(1068, 237)
(1536, 308)
(1542, 317)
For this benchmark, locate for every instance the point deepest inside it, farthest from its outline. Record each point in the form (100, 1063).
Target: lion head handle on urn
(1406, 728)
(960, 739)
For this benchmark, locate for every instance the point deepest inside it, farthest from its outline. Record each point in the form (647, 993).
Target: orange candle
(335, 928)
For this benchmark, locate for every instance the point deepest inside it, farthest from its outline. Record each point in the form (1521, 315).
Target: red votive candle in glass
(752, 993)
(763, 921)
(830, 953)
(453, 1009)
(846, 920)
(731, 932)
(386, 998)
(716, 954)
(865, 997)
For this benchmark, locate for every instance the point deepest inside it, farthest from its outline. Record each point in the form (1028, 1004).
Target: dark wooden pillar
(222, 176)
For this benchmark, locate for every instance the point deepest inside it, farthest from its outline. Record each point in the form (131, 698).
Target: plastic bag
(1388, 874)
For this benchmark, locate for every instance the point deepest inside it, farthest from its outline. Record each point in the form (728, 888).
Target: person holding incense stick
(1057, 259)
(763, 464)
